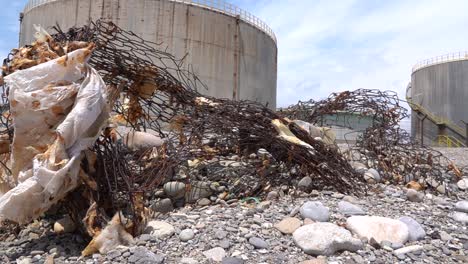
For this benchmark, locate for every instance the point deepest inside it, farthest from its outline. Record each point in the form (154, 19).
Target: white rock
(315, 211)
(325, 239)
(463, 184)
(408, 249)
(372, 176)
(379, 228)
(159, 229)
(460, 217)
(215, 254)
(186, 235)
(462, 206)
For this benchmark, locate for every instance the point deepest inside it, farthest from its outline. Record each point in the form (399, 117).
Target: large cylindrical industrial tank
(231, 51)
(438, 96)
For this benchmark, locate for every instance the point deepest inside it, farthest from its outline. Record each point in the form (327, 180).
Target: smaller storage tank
(438, 96)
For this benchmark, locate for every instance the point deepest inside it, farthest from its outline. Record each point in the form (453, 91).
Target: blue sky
(327, 46)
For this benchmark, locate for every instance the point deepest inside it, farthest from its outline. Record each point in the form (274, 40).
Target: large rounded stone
(463, 184)
(379, 228)
(159, 229)
(175, 190)
(315, 211)
(462, 206)
(414, 196)
(163, 206)
(325, 239)
(288, 225)
(416, 232)
(198, 190)
(372, 176)
(460, 217)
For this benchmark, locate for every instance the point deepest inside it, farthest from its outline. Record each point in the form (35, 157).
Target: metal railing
(448, 141)
(216, 5)
(456, 56)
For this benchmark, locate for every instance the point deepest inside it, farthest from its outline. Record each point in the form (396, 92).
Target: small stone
(143, 255)
(220, 234)
(379, 228)
(232, 260)
(309, 221)
(315, 261)
(159, 229)
(315, 211)
(164, 206)
(36, 252)
(463, 184)
(224, 244)
(416, 232)
(258, 243)
(408, 249)
(441, 189)
(188, 261)
(216, 254)
(325, 239)
(460, 217)
(186, 235)
(288, 225)
(264, 205)
(204, 202)
(64, 225)
(351, 199)
(347, 208)
(372, 176)
(304, 183)
(414, 196)
(462, 206)
(444, 236)
(272, 196)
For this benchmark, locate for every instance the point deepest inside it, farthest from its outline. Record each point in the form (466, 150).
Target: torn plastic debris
(59, 108)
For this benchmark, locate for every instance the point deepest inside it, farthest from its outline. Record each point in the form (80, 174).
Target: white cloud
(328, 46)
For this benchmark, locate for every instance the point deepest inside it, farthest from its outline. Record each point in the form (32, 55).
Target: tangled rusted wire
(157, 95)
(382, 145)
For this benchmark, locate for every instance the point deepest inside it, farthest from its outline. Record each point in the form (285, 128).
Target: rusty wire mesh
(384, 144)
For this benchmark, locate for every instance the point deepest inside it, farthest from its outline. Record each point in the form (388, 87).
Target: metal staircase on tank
(441, 140)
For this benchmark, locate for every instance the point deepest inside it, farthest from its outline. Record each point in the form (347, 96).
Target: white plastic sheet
(58, 109)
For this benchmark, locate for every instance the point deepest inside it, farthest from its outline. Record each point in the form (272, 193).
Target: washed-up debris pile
(100, 118)
(383, 145)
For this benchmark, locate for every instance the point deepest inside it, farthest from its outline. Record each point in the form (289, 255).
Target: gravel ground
(242, 232)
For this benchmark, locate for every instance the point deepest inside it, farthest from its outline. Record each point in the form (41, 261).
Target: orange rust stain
(41, 148)
(57, 110)
(34, 94)
(36, 104)
(13, 103)
(63, 61)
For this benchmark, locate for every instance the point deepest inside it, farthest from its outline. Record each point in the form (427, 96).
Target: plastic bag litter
(58, 109)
